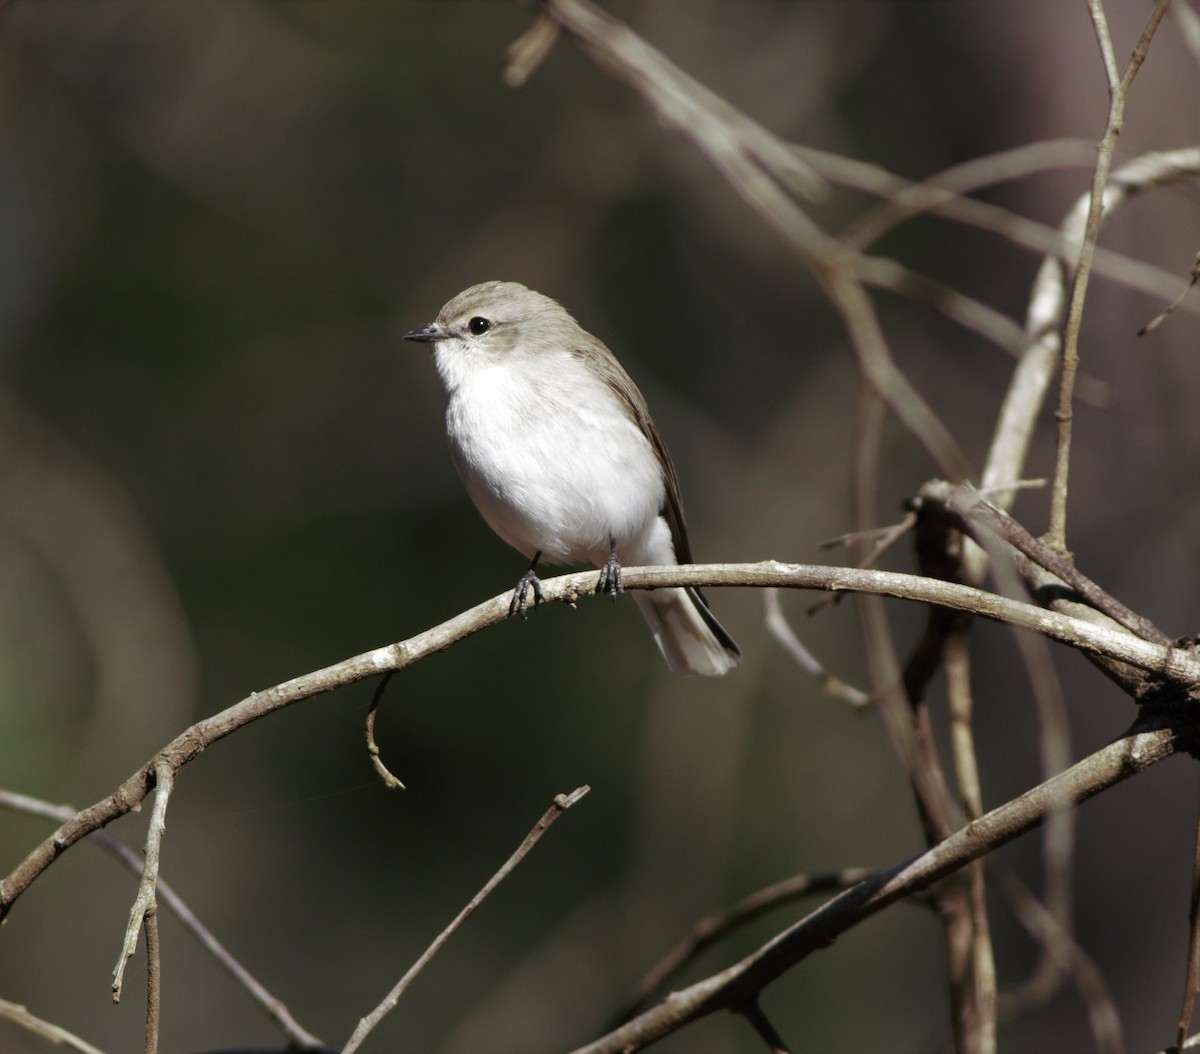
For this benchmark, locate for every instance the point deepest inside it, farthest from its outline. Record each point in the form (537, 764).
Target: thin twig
(952, 184)
(960, 904)
(144, 903)
(737, 984)
(1054, 745)
(298, 1036)
(529, 51)
(1174, 666)
(1118, 92)
(779, 628)
(1070, 960)
(761, 169)
(1192, 976)
(390, 781)
(881, 539)
(153, 982)
(761, 1024)
(1061, 243)
(1161, 317)
(907, 722)
(1045, 317)
(561, 803)
(1187, 22)
(720, 924)
(957, 664)
(18, 1015)
(915, 750)
(971, 512)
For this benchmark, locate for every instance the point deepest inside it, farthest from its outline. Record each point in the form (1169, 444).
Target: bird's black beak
(425, 336)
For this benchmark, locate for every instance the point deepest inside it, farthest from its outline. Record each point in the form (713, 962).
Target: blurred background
(221, 468)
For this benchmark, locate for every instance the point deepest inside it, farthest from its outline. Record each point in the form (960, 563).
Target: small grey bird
(558, 452)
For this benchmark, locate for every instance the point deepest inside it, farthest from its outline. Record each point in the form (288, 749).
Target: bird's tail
(690, 638)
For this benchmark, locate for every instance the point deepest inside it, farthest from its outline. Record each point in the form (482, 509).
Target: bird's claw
(520, 597)
(610, 576)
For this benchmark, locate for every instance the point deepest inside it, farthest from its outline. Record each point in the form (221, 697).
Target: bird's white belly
(553, 471)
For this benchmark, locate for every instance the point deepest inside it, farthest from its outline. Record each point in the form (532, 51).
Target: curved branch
(299, 1038)
(366, 1025)
(740, 983)
(1172, 664)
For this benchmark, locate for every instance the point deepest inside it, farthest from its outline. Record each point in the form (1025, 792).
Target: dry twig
(734, 986)
(762, 170)
(1173, 665)
(153, 982)
(719, 924)
(145, 904)
(1118, 90)
(50, 1032)
(1058, 944)
(1191, 980)
(390, 781)
(298, 1037)
(779, 627)
(561, 803)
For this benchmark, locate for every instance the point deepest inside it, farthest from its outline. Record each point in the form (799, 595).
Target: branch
(1118, 92)
(739, 984)
(1047, 311)
(712, 928)
(1174, 665)
(761, 1024)
(153, 982)
(53, 1033)
(779, 628)
(144, 904)
(1059, 946)
(971, 513)
(561, 804)
(298, 1036)
(763, 170)
(1061, 244)
(1192, 974)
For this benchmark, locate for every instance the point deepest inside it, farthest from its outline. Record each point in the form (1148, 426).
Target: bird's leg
(529, 578)
(610, 573)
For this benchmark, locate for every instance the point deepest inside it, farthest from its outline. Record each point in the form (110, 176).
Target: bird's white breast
(549, 454)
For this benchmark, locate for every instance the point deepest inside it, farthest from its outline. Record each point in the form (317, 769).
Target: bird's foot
(520, 597)
(610, 575)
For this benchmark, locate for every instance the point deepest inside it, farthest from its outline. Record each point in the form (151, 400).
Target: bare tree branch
(1069, 960)
(779, 628)
(298, 1037)
(153, 981)
(1047, 311)
(144, 904)
(561, 804)
(714, 927)
(741, 982)
(1118, 92)
(761, 169)
(982, 975)
(50, 1032)
(1173, 665)
(761, 1024)
(1191, 981)
(971, 513)
(389, 780)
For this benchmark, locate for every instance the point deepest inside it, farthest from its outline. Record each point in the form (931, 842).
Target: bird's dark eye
(479, 325)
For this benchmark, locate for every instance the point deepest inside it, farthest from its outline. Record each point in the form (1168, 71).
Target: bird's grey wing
(623, 387)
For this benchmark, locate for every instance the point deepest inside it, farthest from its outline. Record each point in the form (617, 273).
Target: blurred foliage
(222, 468)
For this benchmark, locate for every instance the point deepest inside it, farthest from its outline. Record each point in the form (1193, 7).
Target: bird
(557, 449)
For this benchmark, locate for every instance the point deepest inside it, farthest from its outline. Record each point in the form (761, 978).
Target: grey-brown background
(221, 468)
